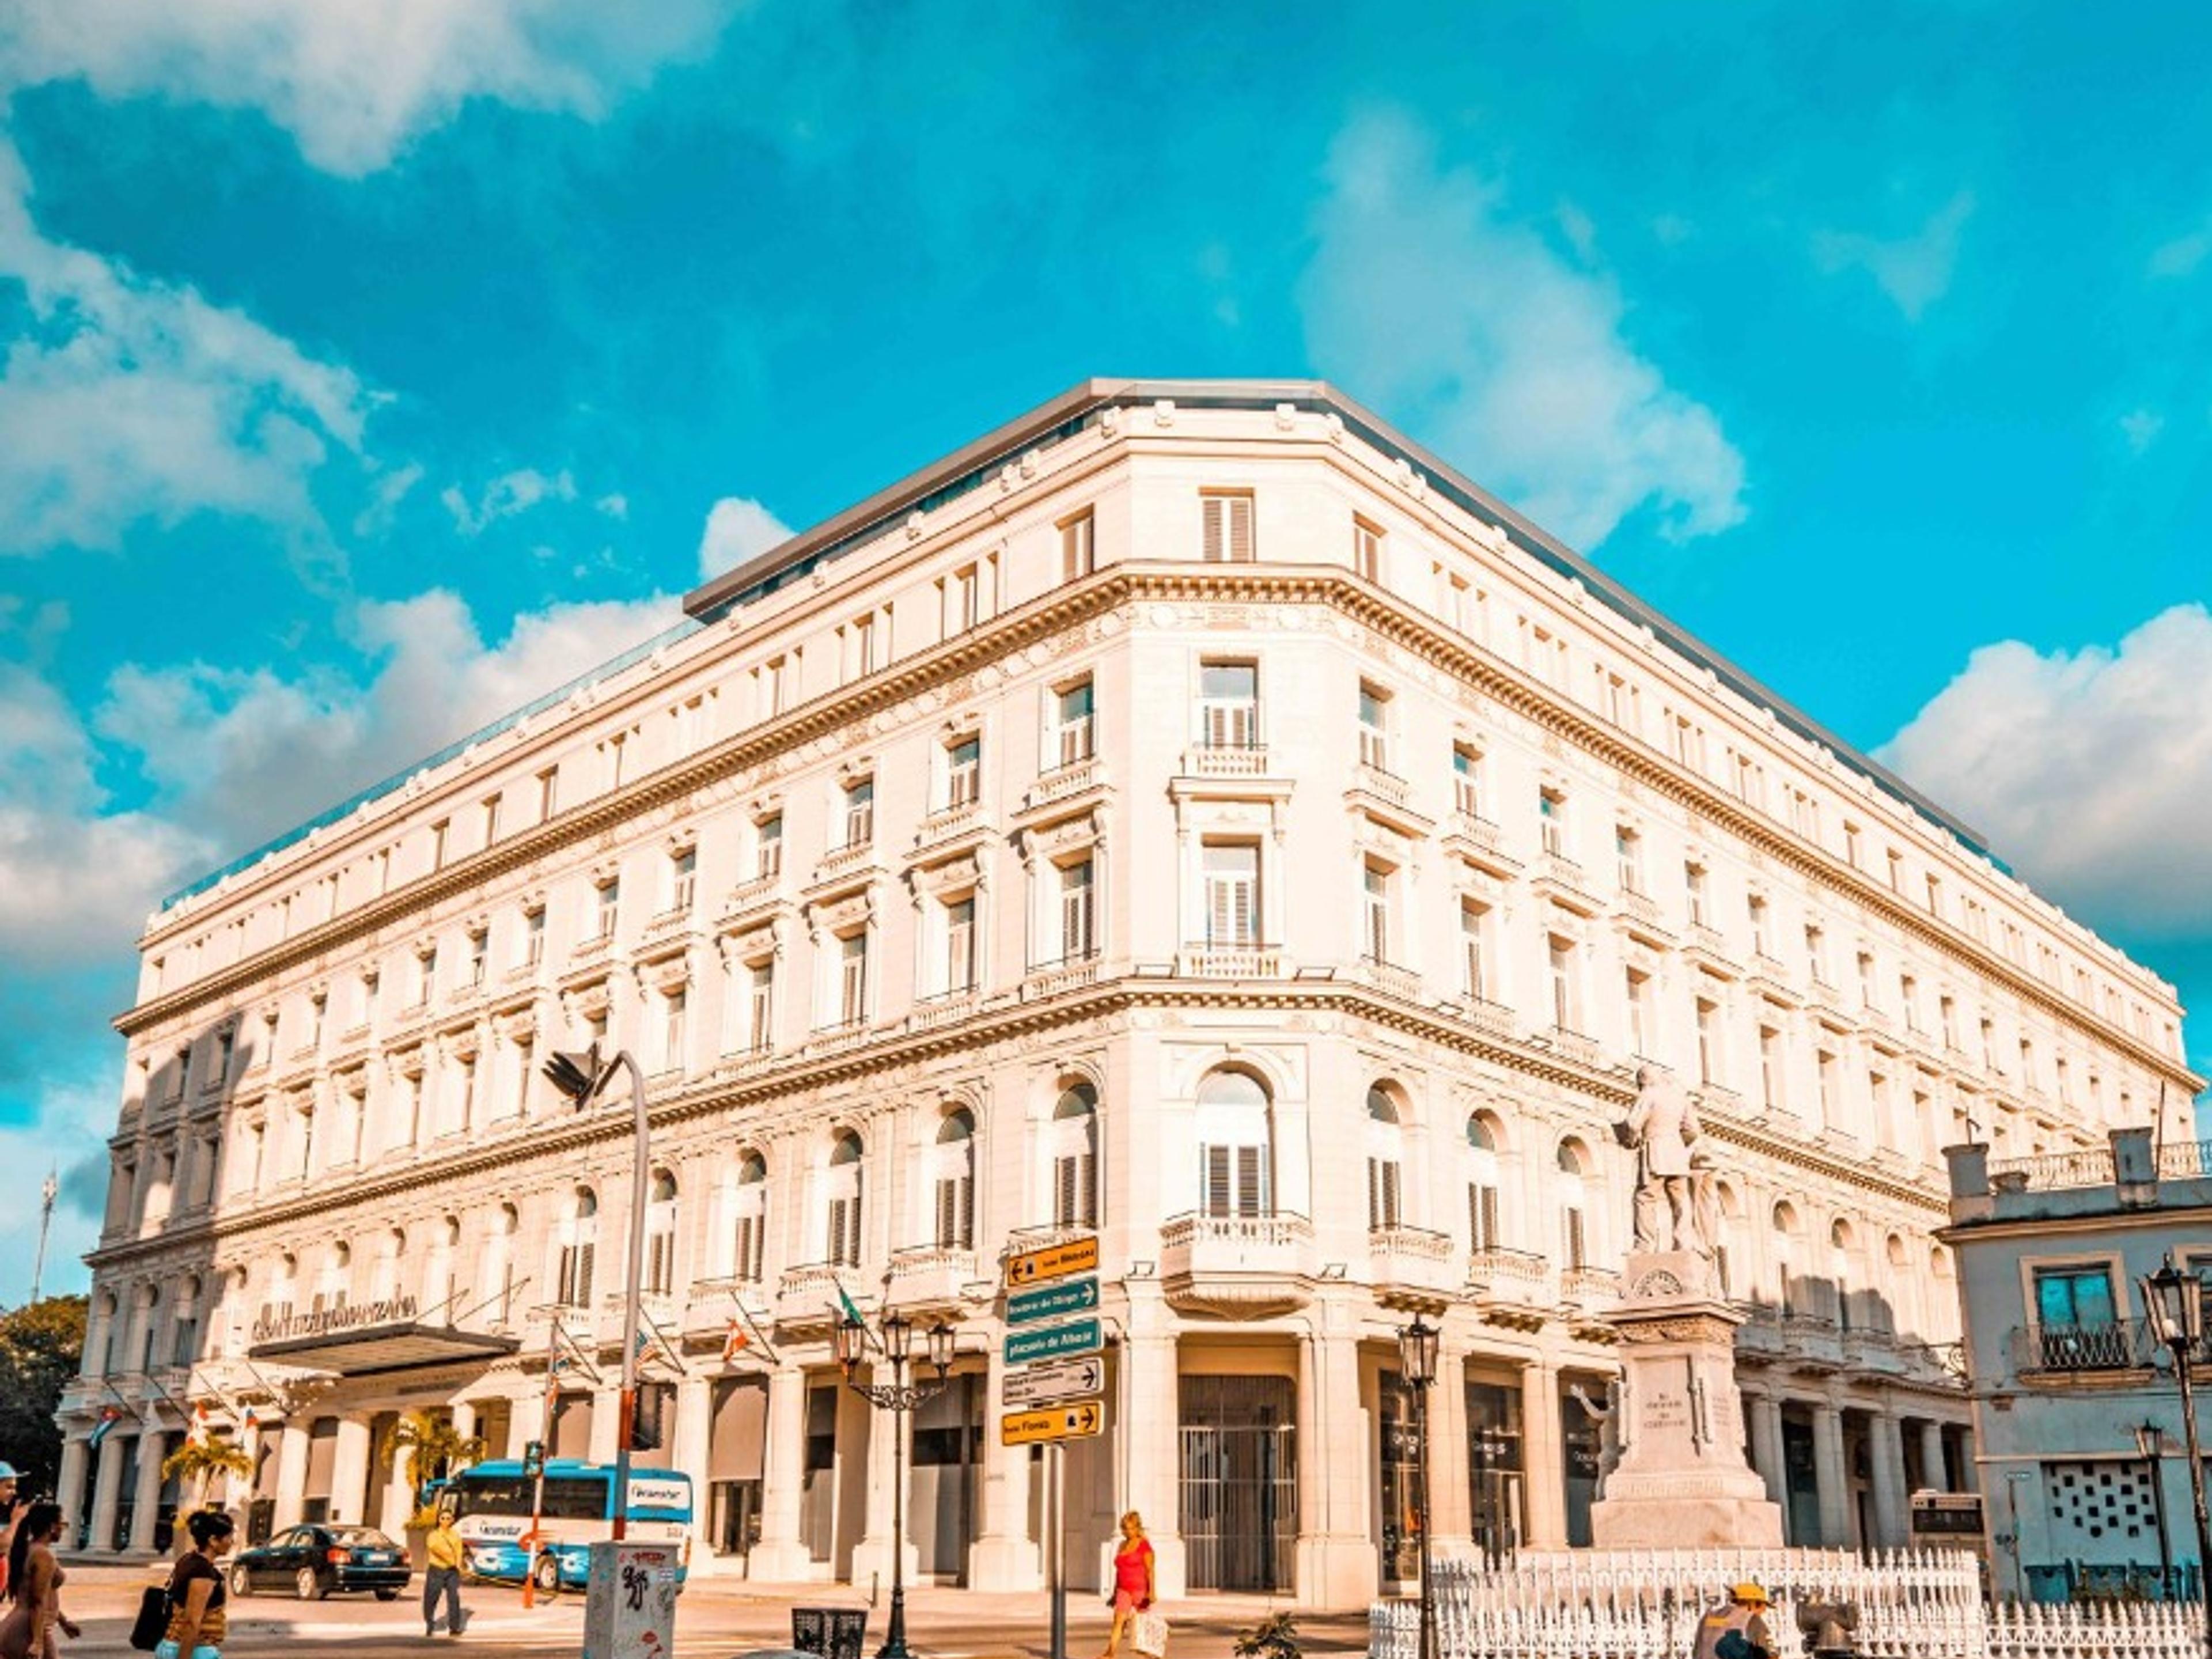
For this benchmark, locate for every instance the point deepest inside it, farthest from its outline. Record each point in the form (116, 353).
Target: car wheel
(242, 1585)
(388, 1595)
(306, 1586)
(547, 1572)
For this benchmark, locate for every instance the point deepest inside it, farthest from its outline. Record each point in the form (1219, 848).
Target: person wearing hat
(9, 1515)
(1739, 1630)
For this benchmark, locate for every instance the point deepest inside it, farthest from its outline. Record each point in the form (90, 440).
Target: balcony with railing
(1394, 978)
(1225, 760)
(1494, 1017)
(1411, 1265)
(931, 1275)
(944, 1008)
(2051, 1171)
(1589, 1287)
(814, 1293)
(1237, 1266)
(2056, 1352)
(1062, 782)
(2184, 1160)
(1511, 1287)
(1069, 973)
(1230, 959)
(1813, 1339)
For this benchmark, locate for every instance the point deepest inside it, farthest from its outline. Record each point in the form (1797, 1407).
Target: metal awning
(396, 1346)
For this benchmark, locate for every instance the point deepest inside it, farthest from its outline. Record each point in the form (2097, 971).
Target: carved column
(1766, 1448)
(291, 1472)
(106, 1486)
(71, 1488)
(1003, 1556)
(1886, 1456)
(1451, 1501)
(1933, 1474)
(1544, 1473)
(147, 1501)
(1828, 1473)
(779, 1557)
(349, 1471)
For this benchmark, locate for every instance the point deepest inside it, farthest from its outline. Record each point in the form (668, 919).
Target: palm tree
(433, 1448)
(202, 1458)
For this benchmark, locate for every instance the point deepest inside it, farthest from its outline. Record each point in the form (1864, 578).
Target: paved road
(714, 1621)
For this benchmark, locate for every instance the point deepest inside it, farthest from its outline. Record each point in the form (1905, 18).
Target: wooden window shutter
(1218, 1192)
(1251, 1181)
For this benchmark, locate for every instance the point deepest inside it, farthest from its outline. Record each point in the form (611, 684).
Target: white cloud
(505, 496)
(2181, 256)
(2141, 428)
(69, 1135)
(2088, 770)
(1914, 271)
(126, 398)
(353, 81)
(738, 528)
(614, 506)
(1472, 330)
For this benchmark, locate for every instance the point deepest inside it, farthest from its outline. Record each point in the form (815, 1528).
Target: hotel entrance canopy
(373, 1337)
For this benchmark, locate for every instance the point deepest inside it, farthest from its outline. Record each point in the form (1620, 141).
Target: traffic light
(646, 1417)
(533, 1460)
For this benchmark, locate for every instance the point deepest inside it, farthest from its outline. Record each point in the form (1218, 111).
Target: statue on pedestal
(1675, 1204)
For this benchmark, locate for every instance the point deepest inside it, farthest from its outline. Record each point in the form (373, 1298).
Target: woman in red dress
(1132, 1579)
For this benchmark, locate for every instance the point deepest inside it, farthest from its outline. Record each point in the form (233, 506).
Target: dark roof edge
(856, 522)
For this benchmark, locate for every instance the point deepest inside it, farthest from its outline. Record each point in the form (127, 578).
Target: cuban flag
(108, 1418)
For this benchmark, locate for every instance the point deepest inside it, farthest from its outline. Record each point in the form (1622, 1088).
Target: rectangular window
(1236, 1180)
(1482, 1216)
(1769, 1067)
(1467, 781)
(441, 835)
(1079, 553)
(608, 902)
(955, 1213)
(853, 979)
(1755, 908)
(1229, 704)
(1474, 947)
(964, 772)
(767, 847)
(960, 945)
(533, 936)
(1074, 724)
(1852, 839)
(1374, 727)
(1826, 1069)
(1693, 879)
(549, 794)
(773, 683)
(1567, 1008)
(1376, 896)
(860, 647)
(491, 815)
(479, 951)
(1383, 1183)
(860, 812)
(682, 879)
(1816, 954)
(1551, 820)
(1866, 978)
(1077, 938)
(1367, 549)
(1640, 1013)
(1232, 893)
(1227, 521)
(616, 749)
(2074, 1296)
(1628, 853)
(760, 1006)
(1074, 1190)
(1709, 1040)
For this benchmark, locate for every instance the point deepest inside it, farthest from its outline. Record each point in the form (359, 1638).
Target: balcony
(839, 860)
(1873, 1352)
(1759, 1338)
(1478, 832)
(1494, 1017)
(1230, 961)
(2058, 1351)
(2092, 1168)
(1812, 1341)
(944, 1008)
(1062, 782)
(1237, 1266)
(1045, 979)
(1385, 787)
(667, 923)
(1211, 760)
(949, 824)
(1388, 976)
(1575, 1046)
(1589, 1287)
(1513, 1288)
(711, 1303)
(932, 1276)
(813, 1294)
(1411, 1268)
(1561, 880)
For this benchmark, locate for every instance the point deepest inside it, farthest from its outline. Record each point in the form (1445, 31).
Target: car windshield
(363, 1538)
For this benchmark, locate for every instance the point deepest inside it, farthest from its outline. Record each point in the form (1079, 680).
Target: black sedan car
(312, 1562)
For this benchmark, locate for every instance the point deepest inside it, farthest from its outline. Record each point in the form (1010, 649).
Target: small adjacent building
(2077, 1411)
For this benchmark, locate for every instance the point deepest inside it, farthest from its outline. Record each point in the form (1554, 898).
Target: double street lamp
(1416, 1363)
(894, 1336)
(2175, 1301)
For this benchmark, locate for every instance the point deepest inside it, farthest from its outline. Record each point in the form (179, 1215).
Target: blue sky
(365, 368)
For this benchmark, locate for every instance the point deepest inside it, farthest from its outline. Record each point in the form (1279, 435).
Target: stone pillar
(350, 1470)
(292, 1473)
(695, 1429)
(1828, 1475)
(71, 1487)
(107, 1485)
(1451, 1501)
(1153, 1424)
(1933, 1473)
(464, 1413)
(779, 1557)
(1003, 1556)
(147, 1498)
(1338, 1565)
(526, 1421)
(1544, 1472)
(1886, 1461)
(397, 1502)
(1766, 1448)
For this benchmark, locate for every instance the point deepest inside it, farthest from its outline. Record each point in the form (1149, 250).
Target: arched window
(1574, 1205)
(1075, 1157)
(184, 1323)
(437, 1289)
(579, 1244)
(1482, 1184)
(383, 1286)
(1842, 1245)
(1386, 1138)
(149, 1307)
(283, 1280)
(952, 1179)
(1894, 1309)
(843, 1192)
(1234, 1151)
(660, 1234)
(1731, 1249)
(337, 1270)
(749, 1219)
(499, 1260)
(100, 1338)
(1787, 1266)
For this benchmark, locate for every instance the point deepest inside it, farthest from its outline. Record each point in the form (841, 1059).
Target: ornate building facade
(1192, 812)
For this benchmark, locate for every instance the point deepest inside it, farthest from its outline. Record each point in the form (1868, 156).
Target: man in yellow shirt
(443, 1575)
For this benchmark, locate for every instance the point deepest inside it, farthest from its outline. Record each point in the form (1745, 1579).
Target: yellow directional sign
(1078, 1421)
(1074, 1255)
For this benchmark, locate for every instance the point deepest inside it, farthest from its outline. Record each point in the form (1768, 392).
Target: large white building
(1190, 810)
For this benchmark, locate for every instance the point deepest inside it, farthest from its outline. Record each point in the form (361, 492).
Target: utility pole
(46, 1195)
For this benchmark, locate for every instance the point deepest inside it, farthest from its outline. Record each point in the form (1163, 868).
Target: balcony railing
(1045, 979)
(1589, 1285)
(1230, 960)
(2089, 1168)
(2185, 1159)
(1265, 1231)
(1399, 981)
(2072, 1350)
(1382, 784)
(1502, 1271)
(1212, 760)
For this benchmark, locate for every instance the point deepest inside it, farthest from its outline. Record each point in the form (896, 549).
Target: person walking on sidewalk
(10, 1513)
(198, 1618)
(444, 1576)
(35, 1586)
(1132, 1579)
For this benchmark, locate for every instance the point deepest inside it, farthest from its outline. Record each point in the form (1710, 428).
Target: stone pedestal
(1679, 1481)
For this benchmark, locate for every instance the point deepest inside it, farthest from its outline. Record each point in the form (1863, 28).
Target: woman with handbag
(35, 1586)
(198, 1618)
(1132, 1580)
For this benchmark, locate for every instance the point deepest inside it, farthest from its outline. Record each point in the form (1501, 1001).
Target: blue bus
(493, 1504)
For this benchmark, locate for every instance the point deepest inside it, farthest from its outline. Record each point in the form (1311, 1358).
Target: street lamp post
(583, 1077)
(1416, 1361)
(899, 1397)
(2175, 1300)
(2150, 1440)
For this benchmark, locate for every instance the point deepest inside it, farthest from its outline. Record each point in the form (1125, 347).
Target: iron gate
(1239, 1489)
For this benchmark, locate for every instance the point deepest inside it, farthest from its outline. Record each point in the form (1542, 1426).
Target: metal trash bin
(833, 1632)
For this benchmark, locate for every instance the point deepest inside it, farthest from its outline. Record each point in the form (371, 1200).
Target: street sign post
(1073, 1255)
(1054, 1341)
(1069, 1296)
(1056, 1380)
(1079, 1421)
